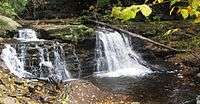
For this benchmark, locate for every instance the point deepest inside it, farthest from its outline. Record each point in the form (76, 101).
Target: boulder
(7, 24)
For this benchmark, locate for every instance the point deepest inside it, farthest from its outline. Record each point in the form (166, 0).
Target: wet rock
(198, 99)
(198, 75)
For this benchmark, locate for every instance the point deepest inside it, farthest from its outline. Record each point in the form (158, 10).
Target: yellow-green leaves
(116, 11)
(192, 10)
(184, 13)
(130, 12)
(146, 10)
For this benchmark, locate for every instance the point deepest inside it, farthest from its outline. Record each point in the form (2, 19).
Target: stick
(136, 35)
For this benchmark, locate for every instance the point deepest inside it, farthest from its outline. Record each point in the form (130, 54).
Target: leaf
(171, 10)
(116, 12)
(146, 10)
(160, 1)
(172, 2)
(195, 4)
(169, 33)
(184, 13)
(128, 13)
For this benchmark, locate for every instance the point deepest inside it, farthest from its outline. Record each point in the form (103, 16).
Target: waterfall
(115, 56)
(33, 57)
(9, 56)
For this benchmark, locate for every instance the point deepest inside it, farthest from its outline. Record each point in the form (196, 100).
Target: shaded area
(157, 88)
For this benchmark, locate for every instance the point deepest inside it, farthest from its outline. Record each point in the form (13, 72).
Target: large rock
(7, 24)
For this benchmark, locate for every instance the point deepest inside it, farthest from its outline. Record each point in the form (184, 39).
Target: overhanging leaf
(128, 13)
(184, 13)
(146, 10)
(116, 12)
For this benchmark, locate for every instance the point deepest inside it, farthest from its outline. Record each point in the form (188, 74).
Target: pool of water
(155, 88)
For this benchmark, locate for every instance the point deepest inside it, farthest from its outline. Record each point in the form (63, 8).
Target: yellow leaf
(184, 13)
(146, 10)
(171, 11)
(116, 11)
(128, 13)
(160, 1)
(195, 4)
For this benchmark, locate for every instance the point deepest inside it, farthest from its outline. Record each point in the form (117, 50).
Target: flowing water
(35, 57)
(122, 70)
(115, 56)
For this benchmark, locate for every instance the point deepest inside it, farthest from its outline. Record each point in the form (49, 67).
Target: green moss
(3, 25)
(72, 32)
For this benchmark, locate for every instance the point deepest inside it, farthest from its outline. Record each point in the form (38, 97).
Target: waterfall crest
(115, 56)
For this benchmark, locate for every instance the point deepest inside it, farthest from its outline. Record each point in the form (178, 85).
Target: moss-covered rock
(7, 24)
(67, 32)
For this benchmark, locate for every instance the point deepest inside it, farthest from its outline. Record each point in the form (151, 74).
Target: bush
(12, 7)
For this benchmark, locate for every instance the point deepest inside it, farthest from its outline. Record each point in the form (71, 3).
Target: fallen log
(135, 35)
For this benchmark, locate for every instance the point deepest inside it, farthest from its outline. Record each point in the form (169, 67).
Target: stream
(119, 68)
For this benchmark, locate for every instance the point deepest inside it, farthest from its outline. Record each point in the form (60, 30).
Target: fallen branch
(136, 35)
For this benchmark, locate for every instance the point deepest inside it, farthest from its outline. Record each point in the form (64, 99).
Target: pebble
(198, 75)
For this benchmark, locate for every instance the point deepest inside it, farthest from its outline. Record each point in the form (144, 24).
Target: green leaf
(184, 13)
(172, 2)
(195, 4)
(146, 10)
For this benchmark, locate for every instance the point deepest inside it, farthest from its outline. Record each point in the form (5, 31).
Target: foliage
(193, 10)
(127, 13)
(130, 12)
(12, 7)
(102, 3)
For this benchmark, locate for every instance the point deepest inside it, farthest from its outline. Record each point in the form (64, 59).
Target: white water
(27, 35)
(115, 56)
(60, 66)
(17, 62)
(9, 56)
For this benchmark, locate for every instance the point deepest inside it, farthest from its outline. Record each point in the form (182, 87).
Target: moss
(3, 25)
(72, 32)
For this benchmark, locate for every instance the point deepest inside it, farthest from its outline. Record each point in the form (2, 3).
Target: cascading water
(34, 58)
(115, 56)
(9, 56)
